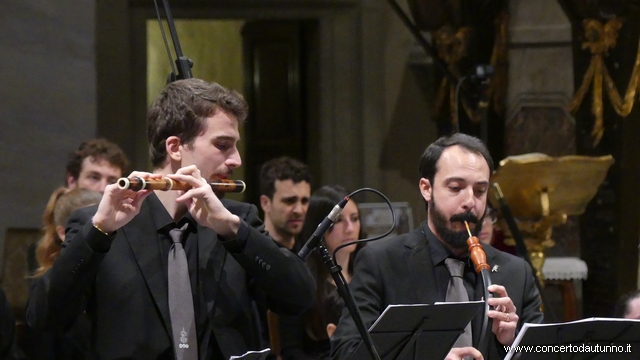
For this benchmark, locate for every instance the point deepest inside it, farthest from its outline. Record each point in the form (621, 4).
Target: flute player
(171, 274)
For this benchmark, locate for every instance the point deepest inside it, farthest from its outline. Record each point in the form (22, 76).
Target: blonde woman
(62, 203)
(71, 343)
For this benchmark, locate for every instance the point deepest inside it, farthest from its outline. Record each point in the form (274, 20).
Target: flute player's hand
(119, 206)
(204, 205)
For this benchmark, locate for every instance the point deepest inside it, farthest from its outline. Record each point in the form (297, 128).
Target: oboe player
(431, 263)
(170, 274)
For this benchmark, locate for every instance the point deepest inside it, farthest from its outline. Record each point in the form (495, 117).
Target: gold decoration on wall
(500, 62)
(452, 47)
(599, 39)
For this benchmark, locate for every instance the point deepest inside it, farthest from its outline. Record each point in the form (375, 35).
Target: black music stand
(579, 340)
(253, 355)
(419, 331)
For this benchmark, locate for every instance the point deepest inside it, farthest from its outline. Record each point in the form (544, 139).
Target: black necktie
(457, 292)
(185, 340)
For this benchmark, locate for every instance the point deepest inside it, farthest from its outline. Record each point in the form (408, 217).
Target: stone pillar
(537, 119)
(540, 87)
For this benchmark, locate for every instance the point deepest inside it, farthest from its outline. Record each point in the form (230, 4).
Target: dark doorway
(279, 66)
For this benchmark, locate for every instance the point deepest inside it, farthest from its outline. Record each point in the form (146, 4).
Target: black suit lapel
(496, 273)
(211, 254)
(418, 258)
(142, 237)
(211, 257)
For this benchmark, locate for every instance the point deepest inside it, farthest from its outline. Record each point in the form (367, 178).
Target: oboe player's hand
(505, 319)
(204, 205)
(119, 206)
(464, 353)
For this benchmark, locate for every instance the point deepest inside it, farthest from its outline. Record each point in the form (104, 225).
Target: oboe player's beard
(456, 239)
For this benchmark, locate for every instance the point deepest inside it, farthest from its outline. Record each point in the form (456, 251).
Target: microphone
(481, 77)
(322, 229)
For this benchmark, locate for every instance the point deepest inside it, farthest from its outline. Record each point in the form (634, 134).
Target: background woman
(62, 203)
(72, 343)
(306, 337)
(486, 233)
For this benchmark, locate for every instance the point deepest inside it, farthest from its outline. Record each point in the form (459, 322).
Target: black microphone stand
(182, 63)
(483, 74)
(336, 273)
(521, 247)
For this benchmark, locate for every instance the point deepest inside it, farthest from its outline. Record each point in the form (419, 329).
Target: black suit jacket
(400, 271)
(125, 287)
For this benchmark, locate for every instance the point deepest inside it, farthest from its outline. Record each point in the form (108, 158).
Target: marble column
(540, 87)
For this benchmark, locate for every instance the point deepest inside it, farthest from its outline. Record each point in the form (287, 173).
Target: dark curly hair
(98, 149)
(430, 157)
(282, 168)
(622, 306)
(181, 109)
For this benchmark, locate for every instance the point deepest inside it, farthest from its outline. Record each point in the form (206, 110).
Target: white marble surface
(47, 100)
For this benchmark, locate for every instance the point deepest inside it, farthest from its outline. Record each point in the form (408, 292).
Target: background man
(95, 164)
(414, 268)
(486, 233)
(285, 190)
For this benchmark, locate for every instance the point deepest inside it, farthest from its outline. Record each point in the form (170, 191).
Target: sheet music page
(390, 307)
(527, 326)
(457, 302)
(252, 355)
